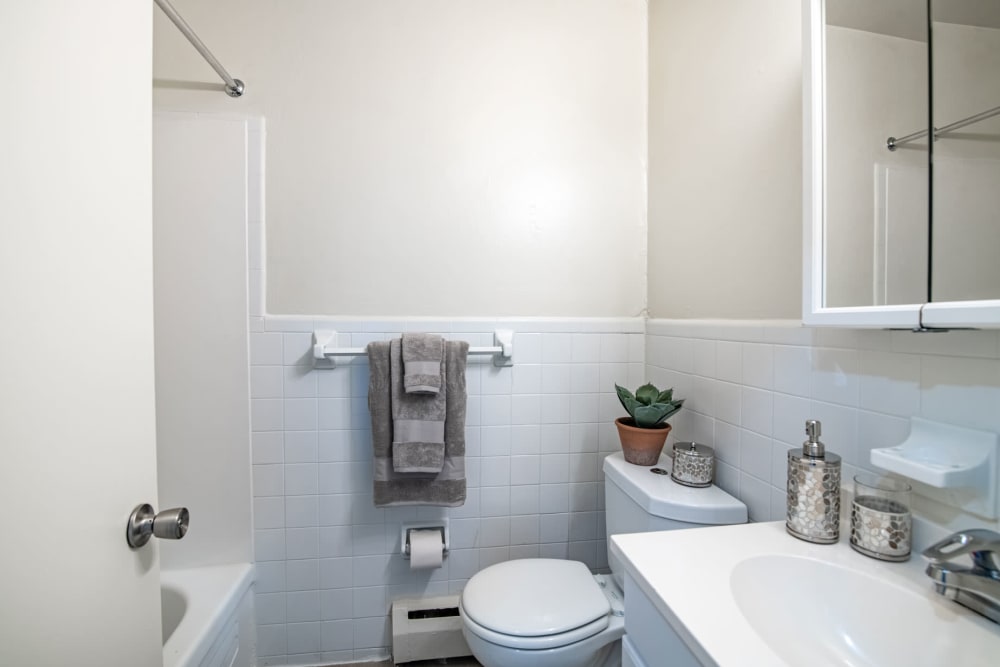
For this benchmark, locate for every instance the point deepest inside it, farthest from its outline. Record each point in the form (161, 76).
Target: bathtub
(207, 616)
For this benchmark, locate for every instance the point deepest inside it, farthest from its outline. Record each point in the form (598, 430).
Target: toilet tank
(638, 500)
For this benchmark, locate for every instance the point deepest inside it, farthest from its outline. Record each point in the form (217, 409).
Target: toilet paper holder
(407, 528)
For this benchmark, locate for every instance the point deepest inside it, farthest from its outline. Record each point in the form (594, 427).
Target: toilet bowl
(541, 612)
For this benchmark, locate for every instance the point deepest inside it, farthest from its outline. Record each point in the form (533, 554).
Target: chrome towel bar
(325, 351)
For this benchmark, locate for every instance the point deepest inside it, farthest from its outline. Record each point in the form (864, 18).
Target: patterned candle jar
(881, 525)
(694, 464)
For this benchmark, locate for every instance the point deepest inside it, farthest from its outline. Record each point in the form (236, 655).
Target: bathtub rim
(213, 594)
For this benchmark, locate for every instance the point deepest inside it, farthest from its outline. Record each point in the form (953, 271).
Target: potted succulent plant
(644, 431)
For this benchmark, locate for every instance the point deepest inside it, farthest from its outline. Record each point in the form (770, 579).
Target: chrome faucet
(976, 587)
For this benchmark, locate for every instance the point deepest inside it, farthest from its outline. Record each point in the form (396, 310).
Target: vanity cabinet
(901, 187)
(649, 638)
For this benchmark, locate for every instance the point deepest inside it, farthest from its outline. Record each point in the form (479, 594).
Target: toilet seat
(538, 642)
(535, 603)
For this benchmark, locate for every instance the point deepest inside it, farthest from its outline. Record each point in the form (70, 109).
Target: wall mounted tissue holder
(325, 350)
(404, 537)
(960, 460)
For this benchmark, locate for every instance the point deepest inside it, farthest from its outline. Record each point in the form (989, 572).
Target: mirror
(902, 224)
(965, 211)
(876, 199)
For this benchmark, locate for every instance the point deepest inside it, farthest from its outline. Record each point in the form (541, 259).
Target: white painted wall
(445, 157)
(200, 168)
(725, 176)
(876, 88)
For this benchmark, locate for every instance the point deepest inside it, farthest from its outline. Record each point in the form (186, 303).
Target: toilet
(543, 612)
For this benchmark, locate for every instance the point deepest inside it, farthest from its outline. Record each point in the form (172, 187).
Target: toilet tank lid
(660, 496)
(534, 597)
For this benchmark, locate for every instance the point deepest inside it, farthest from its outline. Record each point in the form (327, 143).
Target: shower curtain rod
(234, 87)
(892, 142)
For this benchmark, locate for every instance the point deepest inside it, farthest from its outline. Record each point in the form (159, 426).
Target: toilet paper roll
(426, 549)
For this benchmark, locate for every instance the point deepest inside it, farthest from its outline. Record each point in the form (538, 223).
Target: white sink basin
(746, 595)
(814, 613)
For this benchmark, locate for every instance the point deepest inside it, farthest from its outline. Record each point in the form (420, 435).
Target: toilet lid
(534, 597)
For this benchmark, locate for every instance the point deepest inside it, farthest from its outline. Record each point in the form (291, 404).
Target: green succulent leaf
(648, 406)
(631, 405)
(647, 394)
(624, 395)
(648, 416)
(674, 407)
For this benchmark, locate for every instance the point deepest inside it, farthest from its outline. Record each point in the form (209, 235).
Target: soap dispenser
(813, 490)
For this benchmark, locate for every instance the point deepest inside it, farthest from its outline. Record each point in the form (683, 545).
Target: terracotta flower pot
(641, 446)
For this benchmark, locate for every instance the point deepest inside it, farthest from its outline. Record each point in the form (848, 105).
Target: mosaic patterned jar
(813, 490)
(694, 464)
(881, 525)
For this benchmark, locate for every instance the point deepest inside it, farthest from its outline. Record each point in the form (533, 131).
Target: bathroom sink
(754, 595)
(816, 613)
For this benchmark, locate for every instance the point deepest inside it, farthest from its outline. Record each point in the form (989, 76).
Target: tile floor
(448, 662)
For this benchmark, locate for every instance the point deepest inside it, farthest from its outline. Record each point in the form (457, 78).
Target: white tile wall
(750, 386)
(328, 560)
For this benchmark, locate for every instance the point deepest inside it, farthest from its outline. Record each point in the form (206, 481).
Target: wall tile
(525, 439)
(835, 376)
(269, 608)
(704, 358)
(961, 391)
(526, 378)
(729, 361)
(758, 365)
(268, 447)
(890, 383)
(755, 455)
(757, 410)
(586, 348)
(536, 436)
(265, 349)
(792, 369)
(303, 606)
(557, 348)
(728, 402)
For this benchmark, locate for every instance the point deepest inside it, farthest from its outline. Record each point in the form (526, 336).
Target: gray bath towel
(417, 422)
(423, 363)
(391, 488)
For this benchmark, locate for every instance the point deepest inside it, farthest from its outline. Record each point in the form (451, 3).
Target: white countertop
(686, 574)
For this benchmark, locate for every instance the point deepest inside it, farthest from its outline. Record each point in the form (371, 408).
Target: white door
(77, 427)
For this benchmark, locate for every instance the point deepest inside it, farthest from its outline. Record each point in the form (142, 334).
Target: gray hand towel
(417, 422)
(423, 363)
(390, 488)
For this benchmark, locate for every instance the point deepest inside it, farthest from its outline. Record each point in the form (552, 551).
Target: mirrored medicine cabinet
(902, 221)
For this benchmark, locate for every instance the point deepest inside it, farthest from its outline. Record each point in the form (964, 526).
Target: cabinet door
(651, 635)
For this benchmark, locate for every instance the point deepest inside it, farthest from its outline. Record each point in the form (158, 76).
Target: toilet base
(582, 655)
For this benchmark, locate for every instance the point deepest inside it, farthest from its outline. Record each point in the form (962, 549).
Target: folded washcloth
(417, 422)
(423, 363)
(390, 488)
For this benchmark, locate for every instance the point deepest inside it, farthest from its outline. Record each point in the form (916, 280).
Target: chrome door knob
(144, 523)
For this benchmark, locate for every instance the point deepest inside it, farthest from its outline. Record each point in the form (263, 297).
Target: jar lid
(694, 449)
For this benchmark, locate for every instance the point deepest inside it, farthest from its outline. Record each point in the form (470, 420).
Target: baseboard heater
(427, 629)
